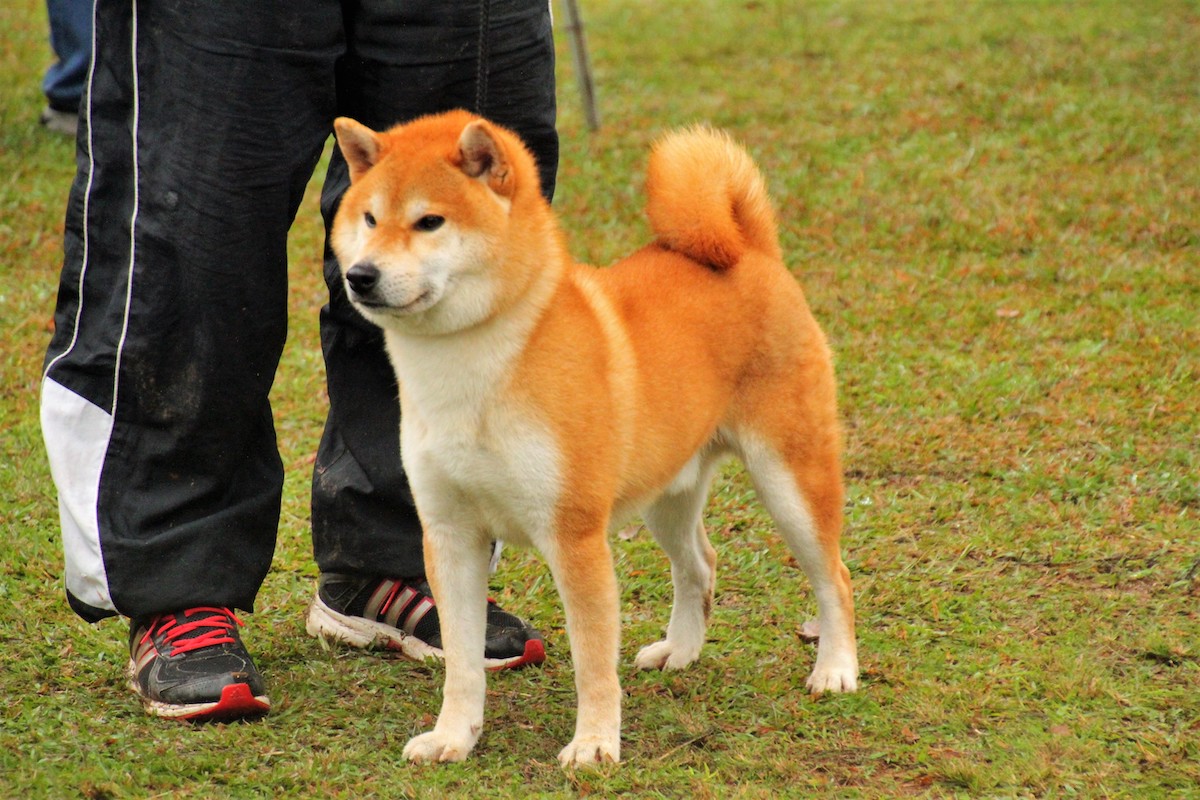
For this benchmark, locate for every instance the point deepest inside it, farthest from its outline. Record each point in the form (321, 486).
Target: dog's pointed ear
(481, 155)
(360, 146)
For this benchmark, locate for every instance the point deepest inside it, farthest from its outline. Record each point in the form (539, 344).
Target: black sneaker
(399, 615)
(192, 666)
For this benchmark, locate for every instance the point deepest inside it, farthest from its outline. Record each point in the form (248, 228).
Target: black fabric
(398, 68)
(206, 163)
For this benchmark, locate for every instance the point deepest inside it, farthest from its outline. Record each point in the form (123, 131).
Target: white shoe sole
(334, 627)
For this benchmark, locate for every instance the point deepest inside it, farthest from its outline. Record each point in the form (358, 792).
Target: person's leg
(71, 40)
(495, 58)
(403, 63)
(202, 125)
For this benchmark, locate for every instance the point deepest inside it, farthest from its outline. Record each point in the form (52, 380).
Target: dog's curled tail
(707, 200)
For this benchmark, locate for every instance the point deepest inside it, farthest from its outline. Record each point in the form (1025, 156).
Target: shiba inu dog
(545, 402)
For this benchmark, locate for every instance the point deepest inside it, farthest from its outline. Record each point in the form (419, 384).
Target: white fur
(481, 468)
(836, 669)
(675, 521)
(478, 471)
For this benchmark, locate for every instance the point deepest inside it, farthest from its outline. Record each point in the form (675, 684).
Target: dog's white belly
(498, 477)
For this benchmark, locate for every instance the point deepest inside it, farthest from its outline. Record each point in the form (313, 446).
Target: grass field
(994, 208)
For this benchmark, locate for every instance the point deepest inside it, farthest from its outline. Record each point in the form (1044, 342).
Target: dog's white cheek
(460, 272)
(343, 247)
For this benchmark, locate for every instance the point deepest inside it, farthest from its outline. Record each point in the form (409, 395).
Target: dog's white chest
(495, 471)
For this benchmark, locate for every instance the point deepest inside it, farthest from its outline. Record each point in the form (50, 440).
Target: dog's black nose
(362, 277)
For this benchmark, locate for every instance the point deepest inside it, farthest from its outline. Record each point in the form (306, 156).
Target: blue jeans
(71, 39)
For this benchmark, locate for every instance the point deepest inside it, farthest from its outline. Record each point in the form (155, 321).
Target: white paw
(587, 750)
(434, 746)
(664, 655)
(833, 678)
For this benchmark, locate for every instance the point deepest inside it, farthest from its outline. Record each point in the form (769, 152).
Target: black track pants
(201, 126)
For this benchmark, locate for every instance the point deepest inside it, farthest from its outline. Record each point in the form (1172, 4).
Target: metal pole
(583, 65)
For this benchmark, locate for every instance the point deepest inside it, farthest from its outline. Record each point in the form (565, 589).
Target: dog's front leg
(457, 566)
(583, 572)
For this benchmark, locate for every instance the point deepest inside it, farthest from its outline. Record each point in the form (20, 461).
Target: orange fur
(616, 388)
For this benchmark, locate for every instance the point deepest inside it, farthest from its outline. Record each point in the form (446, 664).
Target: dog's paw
(434, 746)
(665, 655)
(590, 750)
(834, 679)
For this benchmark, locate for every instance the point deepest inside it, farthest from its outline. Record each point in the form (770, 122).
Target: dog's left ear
(359, 144)
(481, 155)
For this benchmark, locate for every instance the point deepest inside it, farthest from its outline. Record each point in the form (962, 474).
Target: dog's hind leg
(675, 519)
(803, 494)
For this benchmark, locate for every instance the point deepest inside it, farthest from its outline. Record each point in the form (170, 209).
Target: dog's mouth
(376, 304)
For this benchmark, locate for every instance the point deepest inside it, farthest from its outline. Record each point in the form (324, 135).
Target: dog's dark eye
(369, 218)
(429, 222)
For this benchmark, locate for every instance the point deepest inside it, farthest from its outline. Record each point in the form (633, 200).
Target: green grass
(994, 208)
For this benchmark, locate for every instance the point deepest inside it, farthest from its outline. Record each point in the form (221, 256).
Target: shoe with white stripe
(400, 615)
(192, 665)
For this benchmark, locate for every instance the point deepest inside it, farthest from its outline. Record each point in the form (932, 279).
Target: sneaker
(64, 122)
(192, 666)
(399, 615)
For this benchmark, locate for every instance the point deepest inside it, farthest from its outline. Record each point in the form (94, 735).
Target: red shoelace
(205, 631)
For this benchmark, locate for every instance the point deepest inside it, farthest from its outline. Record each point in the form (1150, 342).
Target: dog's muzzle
(362, 278)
